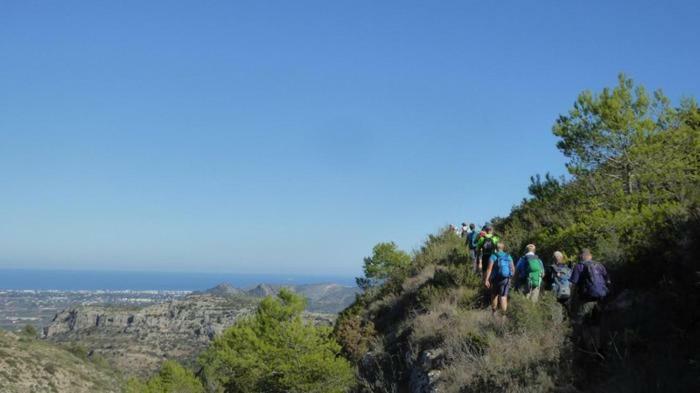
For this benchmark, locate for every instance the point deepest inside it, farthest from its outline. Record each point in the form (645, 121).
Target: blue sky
(290, 137)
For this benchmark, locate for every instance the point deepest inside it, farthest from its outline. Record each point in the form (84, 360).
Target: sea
(74, 280)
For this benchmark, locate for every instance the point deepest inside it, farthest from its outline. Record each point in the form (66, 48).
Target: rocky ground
(31, 365)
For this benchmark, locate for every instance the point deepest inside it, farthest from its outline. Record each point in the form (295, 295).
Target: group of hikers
(579, 289)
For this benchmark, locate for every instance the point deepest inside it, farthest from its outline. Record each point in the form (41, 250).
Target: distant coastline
(73, 280)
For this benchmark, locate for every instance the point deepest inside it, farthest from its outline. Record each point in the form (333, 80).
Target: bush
(29, 331)
(355, 335)
(275, 351)
(172, 378)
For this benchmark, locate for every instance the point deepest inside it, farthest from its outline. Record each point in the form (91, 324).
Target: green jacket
(482, 239)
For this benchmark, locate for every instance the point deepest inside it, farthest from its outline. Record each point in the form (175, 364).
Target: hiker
(485, 247)
(559, 278)
(472, 239)
(464, 231)
(529, 273)
(497, 278)
(590, 285)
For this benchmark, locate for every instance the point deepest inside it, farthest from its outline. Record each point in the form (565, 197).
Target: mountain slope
(632, 200)
(429, 332)
(30, 365)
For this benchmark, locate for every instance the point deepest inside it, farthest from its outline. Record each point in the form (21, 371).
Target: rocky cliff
(138, 340)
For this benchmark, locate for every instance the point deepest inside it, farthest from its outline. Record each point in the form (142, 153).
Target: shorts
(500, 288)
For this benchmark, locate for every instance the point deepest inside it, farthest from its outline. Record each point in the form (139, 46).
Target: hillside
(429, 331)
(632, 198)
(31, 365)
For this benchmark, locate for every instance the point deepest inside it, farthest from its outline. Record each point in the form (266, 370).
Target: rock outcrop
(138, 340)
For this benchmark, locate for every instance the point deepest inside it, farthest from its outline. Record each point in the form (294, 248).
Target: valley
(135, 331)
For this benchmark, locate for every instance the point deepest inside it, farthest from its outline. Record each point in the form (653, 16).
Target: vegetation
(276, 351)
(171, 378)
(386, 262)
(30, 364)
(29, 331)
(633, 197)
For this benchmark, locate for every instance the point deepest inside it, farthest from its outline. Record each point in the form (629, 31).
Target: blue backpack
(560, 281)
(502, 266)
(595, 284)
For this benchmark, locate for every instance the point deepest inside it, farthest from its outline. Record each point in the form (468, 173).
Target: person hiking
(590, 285)
(472, 239)
(497, 278)
(485, 247)
(464, 231)
(559, 278)
(529, 273)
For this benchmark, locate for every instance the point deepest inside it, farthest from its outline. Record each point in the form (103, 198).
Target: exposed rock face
(138, 340)
(426, 372)
(31, 365)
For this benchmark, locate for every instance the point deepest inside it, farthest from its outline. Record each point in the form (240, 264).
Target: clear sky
(291, 136)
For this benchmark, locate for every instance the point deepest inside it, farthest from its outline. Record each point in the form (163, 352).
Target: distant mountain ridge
(323, 297)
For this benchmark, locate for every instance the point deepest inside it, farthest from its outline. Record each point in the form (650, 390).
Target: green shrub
(78, 350)
(29, 331)
(172, 378)
(276, 351)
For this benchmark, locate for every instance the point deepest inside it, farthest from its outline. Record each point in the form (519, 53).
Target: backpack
(503, 261)
(560, 281)
(594, 282)
(472, 239)
(488, 245)
(534, 271)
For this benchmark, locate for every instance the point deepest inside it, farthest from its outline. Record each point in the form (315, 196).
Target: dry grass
(412, 284)
(518, 355)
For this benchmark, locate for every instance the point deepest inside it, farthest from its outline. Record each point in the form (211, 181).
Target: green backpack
(534, 271)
